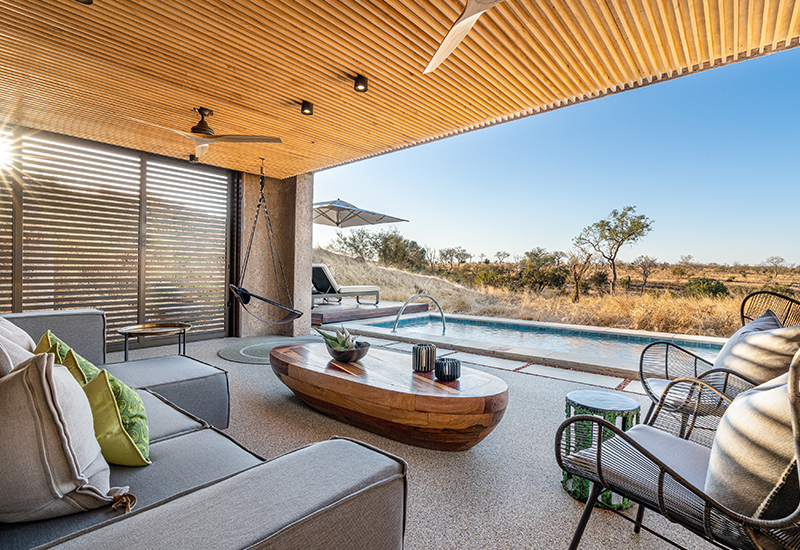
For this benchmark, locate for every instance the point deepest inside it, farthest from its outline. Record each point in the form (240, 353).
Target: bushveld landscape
(686, 298)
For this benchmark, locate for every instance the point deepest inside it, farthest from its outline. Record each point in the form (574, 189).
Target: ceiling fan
(472, 11)
(203, 135)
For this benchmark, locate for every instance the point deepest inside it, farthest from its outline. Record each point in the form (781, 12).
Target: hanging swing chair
(245, 296)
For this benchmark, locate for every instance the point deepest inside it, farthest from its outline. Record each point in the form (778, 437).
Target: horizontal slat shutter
(80, 228)
(6, 221)
(186, 246)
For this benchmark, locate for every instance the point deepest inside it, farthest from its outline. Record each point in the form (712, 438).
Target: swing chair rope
(240, 291)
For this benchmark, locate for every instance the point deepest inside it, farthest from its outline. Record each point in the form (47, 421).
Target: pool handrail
(399, 313)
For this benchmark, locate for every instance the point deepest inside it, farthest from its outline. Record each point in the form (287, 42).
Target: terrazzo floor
(505, 493)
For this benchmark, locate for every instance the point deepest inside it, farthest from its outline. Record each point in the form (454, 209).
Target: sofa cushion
(84, 329)
(198, 388)
(762, 349)
(355, 499)
(753, 448)
(52, 464)
(164, 419)
(15, 334)
(120, 421)
(180, 464)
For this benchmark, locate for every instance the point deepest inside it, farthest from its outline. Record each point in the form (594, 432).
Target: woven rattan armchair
(661, 465)
(661, 362)
(756, 303)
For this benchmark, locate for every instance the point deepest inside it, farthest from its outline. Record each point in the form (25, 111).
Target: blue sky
(713, 158)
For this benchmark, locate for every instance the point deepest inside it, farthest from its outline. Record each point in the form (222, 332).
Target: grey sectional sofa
(205, 490)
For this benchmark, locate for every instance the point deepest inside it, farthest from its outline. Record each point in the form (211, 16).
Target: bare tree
(448, 256)
(775, 263)
(430, 255)
(501, 256)
(578, 262)
(607, 236)
(462, 255)
(646, 265)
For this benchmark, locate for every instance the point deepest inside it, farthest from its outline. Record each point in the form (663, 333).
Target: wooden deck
(350, 310)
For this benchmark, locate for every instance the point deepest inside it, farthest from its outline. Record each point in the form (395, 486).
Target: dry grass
(665, 313)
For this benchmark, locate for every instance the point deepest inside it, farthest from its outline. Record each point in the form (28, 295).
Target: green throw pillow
(50, 343)
(120, 421)
(82, 369)
(128, 411)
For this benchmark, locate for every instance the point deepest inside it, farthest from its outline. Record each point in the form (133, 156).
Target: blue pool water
(620, 346)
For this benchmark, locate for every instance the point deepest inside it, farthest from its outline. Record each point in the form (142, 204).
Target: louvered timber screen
(186, 244)
(6, 222)
(141, 237)
(80, 228)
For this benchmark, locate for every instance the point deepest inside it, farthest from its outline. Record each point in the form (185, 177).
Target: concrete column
(289, 203)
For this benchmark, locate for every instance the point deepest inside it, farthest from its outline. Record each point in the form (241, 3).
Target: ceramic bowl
(350, 355)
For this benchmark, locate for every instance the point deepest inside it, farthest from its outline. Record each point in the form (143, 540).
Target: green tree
(541, 269)
(392, 249)
(607, 236)
(358, 243)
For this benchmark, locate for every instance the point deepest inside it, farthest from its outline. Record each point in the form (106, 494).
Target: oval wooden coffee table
(383, 395)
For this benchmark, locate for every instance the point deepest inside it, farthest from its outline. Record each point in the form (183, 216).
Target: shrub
(780, 289)
(704, 286)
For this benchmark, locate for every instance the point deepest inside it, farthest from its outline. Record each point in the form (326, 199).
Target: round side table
(157, 329)
(611, 407)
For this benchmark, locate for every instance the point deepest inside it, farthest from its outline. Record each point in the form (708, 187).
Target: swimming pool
(601, 343)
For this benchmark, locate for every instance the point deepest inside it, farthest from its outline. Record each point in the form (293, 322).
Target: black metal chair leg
(639, 518)
(594, 492)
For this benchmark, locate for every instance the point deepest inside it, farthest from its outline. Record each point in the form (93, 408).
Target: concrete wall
(289, 203)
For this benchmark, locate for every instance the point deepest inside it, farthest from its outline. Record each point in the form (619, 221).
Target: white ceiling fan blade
(468, 18)
(200, 149)
(184, 134)
(243, 139)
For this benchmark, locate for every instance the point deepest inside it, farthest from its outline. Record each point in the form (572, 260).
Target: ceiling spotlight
(361, 84)
(307, 108)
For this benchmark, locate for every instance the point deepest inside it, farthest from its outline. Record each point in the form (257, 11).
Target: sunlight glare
(5, 154)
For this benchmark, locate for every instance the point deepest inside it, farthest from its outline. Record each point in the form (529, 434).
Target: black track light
(307, 108)
(361, 83)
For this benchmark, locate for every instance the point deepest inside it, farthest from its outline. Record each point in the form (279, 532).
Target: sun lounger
(326, 287)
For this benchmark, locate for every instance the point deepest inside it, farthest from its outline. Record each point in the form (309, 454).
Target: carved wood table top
(382, 394)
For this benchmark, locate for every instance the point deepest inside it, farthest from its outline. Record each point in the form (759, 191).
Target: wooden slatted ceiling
(85, 70)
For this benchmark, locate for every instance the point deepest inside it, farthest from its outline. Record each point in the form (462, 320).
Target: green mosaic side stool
(611, 407)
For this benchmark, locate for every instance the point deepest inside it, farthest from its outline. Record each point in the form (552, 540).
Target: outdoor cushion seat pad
(180, 464)
(686, 458)
(195, 387)
(164, 419)
(220, 515)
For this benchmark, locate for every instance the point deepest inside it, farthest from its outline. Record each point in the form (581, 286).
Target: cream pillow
(762, 349)
(52, 465)
(11, 355)
(753, 449)
(12, 332)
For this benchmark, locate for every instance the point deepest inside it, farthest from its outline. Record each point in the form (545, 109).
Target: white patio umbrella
(339, 213)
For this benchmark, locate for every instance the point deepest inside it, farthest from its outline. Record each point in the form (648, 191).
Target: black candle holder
(448, 369)
(423, 357)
